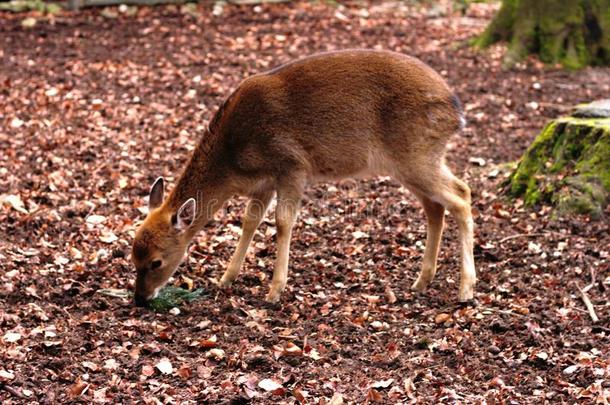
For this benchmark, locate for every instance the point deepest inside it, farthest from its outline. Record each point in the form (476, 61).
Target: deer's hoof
(272, 297)
(225, 282)
(420, 284)
(466, 294)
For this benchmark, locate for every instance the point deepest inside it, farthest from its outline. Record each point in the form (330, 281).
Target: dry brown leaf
(77, 389)
(441, 318)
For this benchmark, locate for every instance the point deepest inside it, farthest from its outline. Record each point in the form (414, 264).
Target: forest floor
(95, 105)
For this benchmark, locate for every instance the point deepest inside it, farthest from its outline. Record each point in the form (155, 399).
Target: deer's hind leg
(289, 193)
(438, 189)
(435, 214)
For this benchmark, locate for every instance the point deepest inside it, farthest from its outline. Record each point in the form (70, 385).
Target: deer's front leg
(288, 201)
(255, 212)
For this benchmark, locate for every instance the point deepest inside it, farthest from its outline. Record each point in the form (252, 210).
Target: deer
(326, 117)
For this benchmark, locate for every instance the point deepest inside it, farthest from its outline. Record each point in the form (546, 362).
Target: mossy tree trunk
(575, 33)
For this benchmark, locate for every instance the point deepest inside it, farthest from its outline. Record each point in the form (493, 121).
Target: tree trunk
(574, 33)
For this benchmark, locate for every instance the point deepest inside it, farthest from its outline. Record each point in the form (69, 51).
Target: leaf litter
(93, 109)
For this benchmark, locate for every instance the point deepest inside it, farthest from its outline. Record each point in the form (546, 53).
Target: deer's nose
(140, 301)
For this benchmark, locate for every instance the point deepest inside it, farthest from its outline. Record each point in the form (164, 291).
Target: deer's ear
(155, 198)
(186, 214)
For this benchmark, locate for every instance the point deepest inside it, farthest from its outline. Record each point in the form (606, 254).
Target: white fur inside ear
(186, 214)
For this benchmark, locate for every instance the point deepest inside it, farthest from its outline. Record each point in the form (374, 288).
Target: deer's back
(337, 114)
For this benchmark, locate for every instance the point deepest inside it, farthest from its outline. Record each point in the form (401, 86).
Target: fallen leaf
(337, 399)
(570, 369)
(208, 343)
(360, 235)
(497, 382)
(51, 92)
(108, 237)
(28, 22)
(217, 354)
(382, 383)
(148, 370)
(11, 337)
(477, 160)
(6, 375)
(374, 395)
(441, 318)
(292, 350)
(95, 219)
(15, 202)
(298, 395)
(184, 371)
(268, 384)
(16, 123)
(389, 295)
(100, 395)
(90, 365)
(409, 387)
(164, 366)
(111, 364)
(78, 389)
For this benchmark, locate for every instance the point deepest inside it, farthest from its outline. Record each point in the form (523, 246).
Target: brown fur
(328, 116)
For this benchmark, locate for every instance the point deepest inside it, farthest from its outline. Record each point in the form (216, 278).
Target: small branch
(556, 106)
(12, 390)
(61, 309)
(521, 235)
(588, 304)
(501, 311)
(531, 235)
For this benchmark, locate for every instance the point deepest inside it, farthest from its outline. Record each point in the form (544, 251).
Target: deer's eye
(155, 264)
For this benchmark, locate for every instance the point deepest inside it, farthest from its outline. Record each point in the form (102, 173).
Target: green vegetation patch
(170, 297)
(567, 166)
(18, 6)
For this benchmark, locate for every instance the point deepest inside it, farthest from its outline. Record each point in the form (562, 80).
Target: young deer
(328, 116)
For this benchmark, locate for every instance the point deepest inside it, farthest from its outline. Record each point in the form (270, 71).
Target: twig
(588, 304)
(521, 235)
(559, 107)
(196, 253)
(528, 235)
(501, 311)
(11, 390)
(61, 309)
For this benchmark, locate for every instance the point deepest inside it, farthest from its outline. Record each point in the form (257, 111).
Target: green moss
(170, 297)
(500, 29)
(19, 6)
(524, 181)
(568, 165)
(581, 195)
(574, 33)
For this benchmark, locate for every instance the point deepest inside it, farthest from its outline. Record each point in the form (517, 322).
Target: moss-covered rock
(567, 166)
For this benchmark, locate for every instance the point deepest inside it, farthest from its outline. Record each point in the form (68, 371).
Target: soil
(95, 105)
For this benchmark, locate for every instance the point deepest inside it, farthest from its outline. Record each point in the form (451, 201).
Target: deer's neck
(204, 179)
